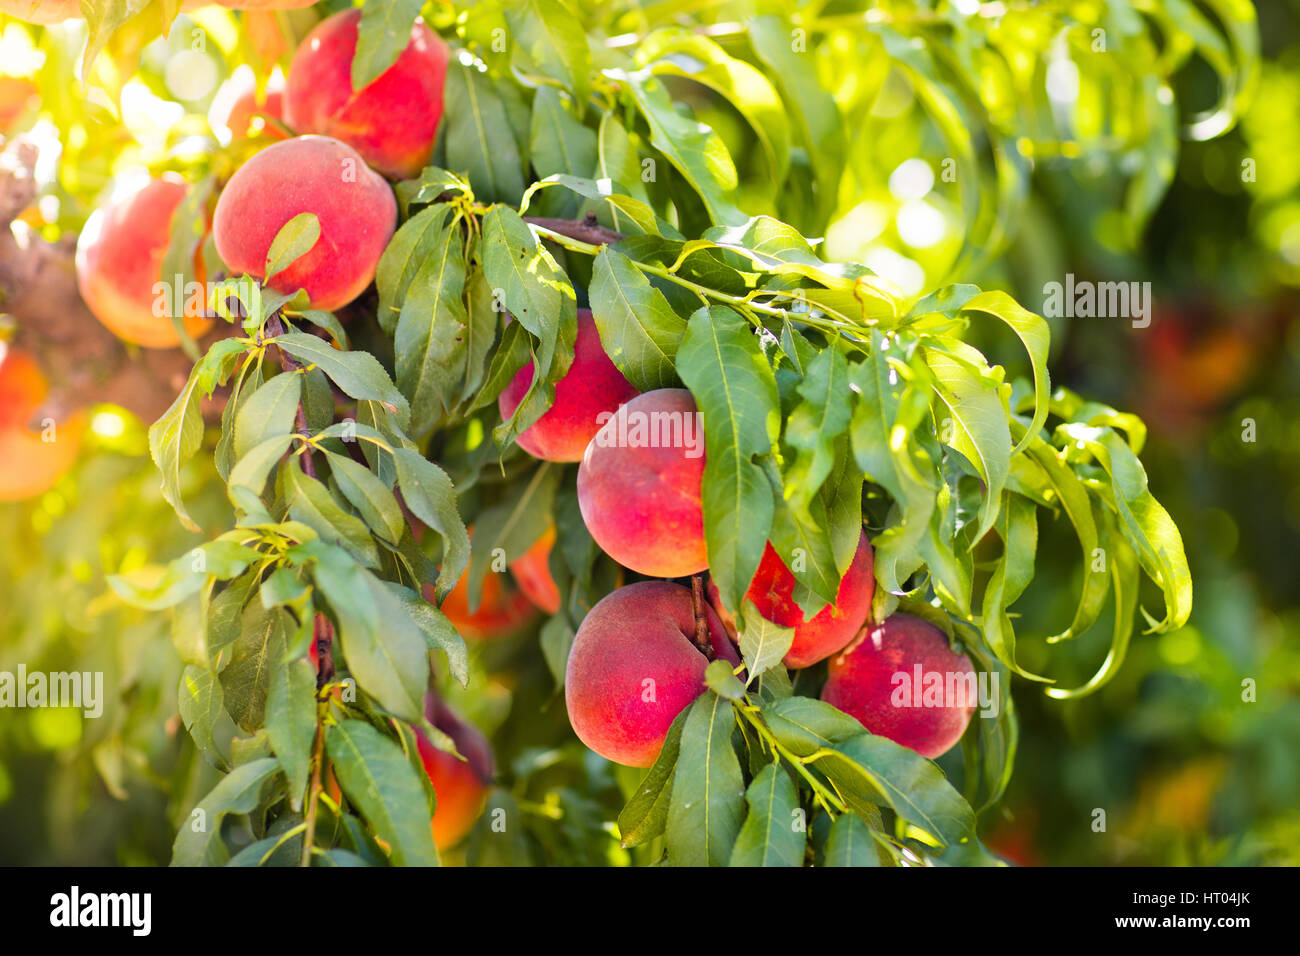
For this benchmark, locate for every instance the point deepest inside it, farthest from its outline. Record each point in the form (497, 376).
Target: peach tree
(544, 394)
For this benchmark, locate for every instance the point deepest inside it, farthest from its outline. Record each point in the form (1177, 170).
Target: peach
(308, 174)
(17, 96)
(591, 386)
(904, 682)
(460, 786)
(831, 628)
(639, 485)
(238, 113)
(394, 120)
(634, 667)
(41, 11)
(119, 262)
(257, 4)
(30, 465)
(501, 611)
(532, 571)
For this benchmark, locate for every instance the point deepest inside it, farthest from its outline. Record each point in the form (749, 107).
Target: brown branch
(323, 634)
(84, 362)
(584, 230)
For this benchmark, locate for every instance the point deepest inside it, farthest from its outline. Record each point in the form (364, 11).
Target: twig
(703, 640)
(584, 230)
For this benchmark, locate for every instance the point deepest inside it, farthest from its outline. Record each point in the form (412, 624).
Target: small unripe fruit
(904, 682)
(634, 667)
(393, 121)
(308, 174)
(593, 385)
(640, 485)
(119, 264)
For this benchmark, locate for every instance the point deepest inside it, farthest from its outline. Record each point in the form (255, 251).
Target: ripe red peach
(461, 786)
(29, 464)
(119, 262)
(831, 628)
(501, 612)
(634, 667)
(639, 485)
(591, 386)
(532, 571)
(237, 111)
(308, 174)
(394, 120)
(905, 683)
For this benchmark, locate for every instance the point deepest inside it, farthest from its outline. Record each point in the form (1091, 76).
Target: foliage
(674, 180)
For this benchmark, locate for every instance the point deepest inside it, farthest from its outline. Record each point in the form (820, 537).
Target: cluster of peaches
(634, 664)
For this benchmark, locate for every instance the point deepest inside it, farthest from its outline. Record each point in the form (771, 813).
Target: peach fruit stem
(703, 640)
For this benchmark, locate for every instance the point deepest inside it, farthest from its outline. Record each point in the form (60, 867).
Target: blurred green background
(1188, 766)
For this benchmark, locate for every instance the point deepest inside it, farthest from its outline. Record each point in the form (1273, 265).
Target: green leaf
(310, 502)
(477, 133)
(812, 108)
(883, 418)
(291, 721)
(294, 240)
(638, 328)
(678, 52)
(978, 414)
(177, 435)
(384, 648)
(382, 35)
(370, 496)
(1069, 491)
(822, 416)
(646, 814)
(555, 40)
(1018, 528)
(619, 162)
(267, 413)
(722, 364)
(804, 725)
(246, 680)
(560, 144)
(376, 776)
(440, 634)
(762, 643)
(720, 678)
(199, 841)
(202, 708)
(430, 340)
(708, 794)
(696, 151)
(1035, 335)
(769, 837)
(252, 470)
(1143, 521)
(429, 494)
(868, 769)
(536, 290)
(417, 240)
(1126, 576)
(850, 843)
(358, 374)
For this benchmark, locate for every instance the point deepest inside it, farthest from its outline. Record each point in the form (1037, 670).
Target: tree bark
(84, 362)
